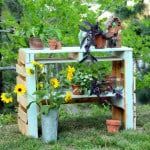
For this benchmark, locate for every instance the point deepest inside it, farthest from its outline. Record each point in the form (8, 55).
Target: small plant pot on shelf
(113, 125)
(76, 90)
(35, 43)
(54, 44)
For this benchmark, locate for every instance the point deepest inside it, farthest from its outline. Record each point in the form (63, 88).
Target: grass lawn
(81, 128)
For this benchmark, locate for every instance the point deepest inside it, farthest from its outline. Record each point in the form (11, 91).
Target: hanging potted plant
(48, 98)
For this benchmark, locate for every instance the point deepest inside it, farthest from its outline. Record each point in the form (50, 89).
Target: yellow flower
(41, 66)
(29, 71)
(69, 76)
(55, 82)
(34, 63)
(70, 69)
(68, 97)
(6, 98)
(20, 89)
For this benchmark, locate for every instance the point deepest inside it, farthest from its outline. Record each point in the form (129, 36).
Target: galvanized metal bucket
(49, 126)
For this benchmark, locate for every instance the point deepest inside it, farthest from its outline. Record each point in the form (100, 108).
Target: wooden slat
(22, 100)
(21, 80)
(20, 69)
(23, 127)
(117, 71)
(22, 114)
(22, 57)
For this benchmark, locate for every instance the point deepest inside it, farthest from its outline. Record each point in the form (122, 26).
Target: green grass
(83, 129)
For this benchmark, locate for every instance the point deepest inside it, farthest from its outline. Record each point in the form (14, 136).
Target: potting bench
(122, 66)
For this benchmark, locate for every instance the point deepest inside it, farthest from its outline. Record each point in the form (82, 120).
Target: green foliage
(84, 130)
(7, 119)
(144, 81)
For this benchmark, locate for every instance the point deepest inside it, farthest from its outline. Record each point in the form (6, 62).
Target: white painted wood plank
(129, 116)
(32, 111)
(93, 96)
(74, 49)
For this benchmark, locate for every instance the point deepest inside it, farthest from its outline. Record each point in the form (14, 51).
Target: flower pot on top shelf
(100, 41)
(54, 44)
(113, 125)
(35, 43)
(113, 35)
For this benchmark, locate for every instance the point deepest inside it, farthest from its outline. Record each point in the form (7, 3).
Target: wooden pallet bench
(122, 65)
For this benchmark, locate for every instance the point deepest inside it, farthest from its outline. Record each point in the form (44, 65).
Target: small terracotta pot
(52, 44)
(35, 43)
(100, 41)
(76, 90)
(113, 125)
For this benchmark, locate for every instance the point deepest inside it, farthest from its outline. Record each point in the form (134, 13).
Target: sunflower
(37, 64)
(20, 89)
(69, 76)
(6, 98)
(34, 63)
(54, 82)
(70, 69)
(68, 97)
(29, 71)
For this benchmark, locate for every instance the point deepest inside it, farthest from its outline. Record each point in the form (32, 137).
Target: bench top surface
(74, 49)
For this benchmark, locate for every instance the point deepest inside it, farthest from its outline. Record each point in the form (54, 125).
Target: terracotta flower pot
(113, 125)
(52, 44)
(100, 41)
(35, 43)
(76, 90)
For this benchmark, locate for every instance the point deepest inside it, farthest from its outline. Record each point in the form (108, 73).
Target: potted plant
(53, 35)
(94, 35)
(49, 97)
(113, 34)
(79, 80)
(36, 35)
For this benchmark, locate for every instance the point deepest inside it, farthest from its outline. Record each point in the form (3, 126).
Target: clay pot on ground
(113, 125)
(35, 43)
(76, 90)
(54, 44)
(100, 41)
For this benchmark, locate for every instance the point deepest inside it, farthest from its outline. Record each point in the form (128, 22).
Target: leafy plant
(48, 93)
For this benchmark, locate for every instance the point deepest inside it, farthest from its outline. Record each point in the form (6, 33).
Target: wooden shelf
(67, 60)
